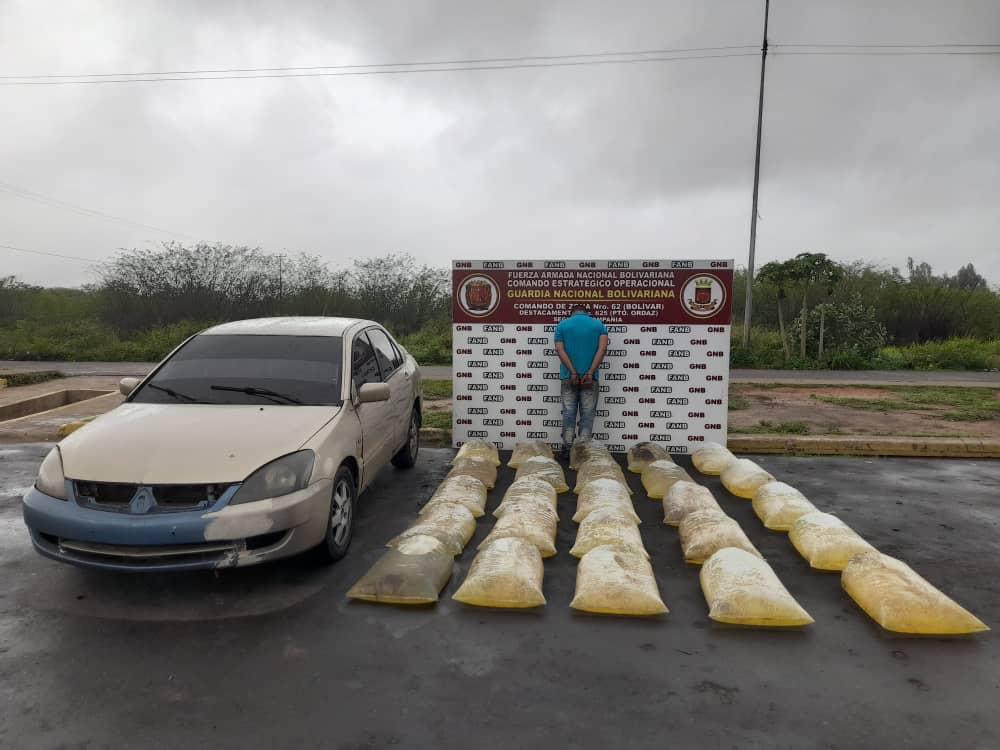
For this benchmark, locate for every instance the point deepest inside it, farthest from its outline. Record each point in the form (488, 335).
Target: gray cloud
(870, 158)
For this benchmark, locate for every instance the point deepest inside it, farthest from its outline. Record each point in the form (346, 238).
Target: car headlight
(51, 479)
(280, 477)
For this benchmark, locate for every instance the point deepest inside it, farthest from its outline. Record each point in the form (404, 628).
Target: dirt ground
(777, 406)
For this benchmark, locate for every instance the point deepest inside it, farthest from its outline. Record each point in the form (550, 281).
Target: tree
(967, 278)
(809, 270)
(777, 275)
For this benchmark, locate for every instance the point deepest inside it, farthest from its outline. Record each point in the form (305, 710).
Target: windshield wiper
(171, 392)
(262, 392)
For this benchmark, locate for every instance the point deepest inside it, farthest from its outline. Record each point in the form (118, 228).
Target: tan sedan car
(251, 441)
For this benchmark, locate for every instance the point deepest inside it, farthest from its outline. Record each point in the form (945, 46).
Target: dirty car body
(249, 442)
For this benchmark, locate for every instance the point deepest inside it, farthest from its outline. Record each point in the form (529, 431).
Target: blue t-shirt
(580, 335)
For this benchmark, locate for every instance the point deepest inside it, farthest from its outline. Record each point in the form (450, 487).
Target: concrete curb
(831, 445)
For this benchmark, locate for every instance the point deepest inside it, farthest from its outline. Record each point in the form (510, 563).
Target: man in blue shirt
(581, 341)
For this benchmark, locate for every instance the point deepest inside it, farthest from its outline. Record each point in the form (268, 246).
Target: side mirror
(127, 385)
(371, 392)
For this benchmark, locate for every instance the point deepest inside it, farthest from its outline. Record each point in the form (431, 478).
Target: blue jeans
(584, 399)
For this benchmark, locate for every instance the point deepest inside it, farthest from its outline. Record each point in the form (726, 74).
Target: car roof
(289, 326)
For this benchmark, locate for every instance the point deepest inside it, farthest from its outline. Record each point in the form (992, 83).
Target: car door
(399, 381)
(376, 442)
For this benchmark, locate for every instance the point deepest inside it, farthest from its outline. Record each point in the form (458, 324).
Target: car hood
(187, 443)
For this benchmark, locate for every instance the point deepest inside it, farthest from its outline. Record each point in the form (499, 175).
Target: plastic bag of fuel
(452, 525)
(705, 532)
(527, 520)
(604, 493)
(741, 589)
(599, 467)
(459, 490)
(608, 527)
(743, 477)
(524, 451)
(543, 468)
(686, 497)
(712, 458)
(480, 468)
(900, 600)
(478, 449)
(528, 491)
(779, 505)
(825, 541)
(583, 450)
(506, 573)
(412, 573)
(614, 582)
(642, 455)
(660, 476)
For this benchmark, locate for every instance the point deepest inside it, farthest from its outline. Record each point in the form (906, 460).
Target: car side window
(384, 352)
(399, 354)
(364, 365)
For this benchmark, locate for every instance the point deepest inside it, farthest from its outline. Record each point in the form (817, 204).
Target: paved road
(866, 377)
(276, 657)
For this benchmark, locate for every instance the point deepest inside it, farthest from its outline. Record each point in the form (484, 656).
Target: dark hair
(579, 306)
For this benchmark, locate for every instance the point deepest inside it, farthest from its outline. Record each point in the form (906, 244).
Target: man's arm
(602, 348)
(564, 358)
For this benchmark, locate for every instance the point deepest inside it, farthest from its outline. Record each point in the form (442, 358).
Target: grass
(30, 378)
(437, 389)
(765, 427)
(945, 402)
(738, 401)
(437, 419)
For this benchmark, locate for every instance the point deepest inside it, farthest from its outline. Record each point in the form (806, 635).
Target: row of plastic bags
(420, 560)
(614, 575)
(887, 589)
(507, 571)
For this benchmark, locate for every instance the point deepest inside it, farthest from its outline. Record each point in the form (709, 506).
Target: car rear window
(242, 369)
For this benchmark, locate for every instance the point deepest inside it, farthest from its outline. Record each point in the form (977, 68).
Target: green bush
(431, 345)
(852, 334)
(953, 354)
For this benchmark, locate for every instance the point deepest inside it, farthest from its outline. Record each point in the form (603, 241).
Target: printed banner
(665, 377)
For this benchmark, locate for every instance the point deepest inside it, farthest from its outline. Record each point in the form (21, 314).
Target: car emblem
(142, 502)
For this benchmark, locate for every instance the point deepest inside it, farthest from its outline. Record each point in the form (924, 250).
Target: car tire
(340, 520)
(407, 455)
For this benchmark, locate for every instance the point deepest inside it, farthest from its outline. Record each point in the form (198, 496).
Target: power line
(890, 46)
(889, 53)
(47, 254)
(340, 73)
(421, 63)
(47, 200)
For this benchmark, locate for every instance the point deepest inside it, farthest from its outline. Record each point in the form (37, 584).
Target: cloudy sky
(872, 157)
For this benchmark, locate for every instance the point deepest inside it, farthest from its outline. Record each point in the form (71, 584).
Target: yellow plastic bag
(742, 589)
(506, 573)
(779, 505)
(604, 493)
(527, 520)
(479, 468)
(452, 525)
(608, 527)
(642, 455)
(459, 490)
(596, 468)
(478, 449)
(412, 573)
(743, 477)
(527, 491)
(543, 468)
(686, 497)
(614, 582)
(712, 458)
(660, 476)
(524, 451)
(705, 532)
(583, 450)
(900, 600)
(825, 541)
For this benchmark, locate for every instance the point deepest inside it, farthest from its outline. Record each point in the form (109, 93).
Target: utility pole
(748, 302)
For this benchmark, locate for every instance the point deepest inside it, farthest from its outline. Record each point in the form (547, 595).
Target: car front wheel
(340, 523)
(407, 455)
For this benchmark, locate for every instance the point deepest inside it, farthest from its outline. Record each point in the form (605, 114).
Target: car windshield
(241, 369)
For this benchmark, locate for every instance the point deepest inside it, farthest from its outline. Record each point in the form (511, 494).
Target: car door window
(384, 352)
(364, 364)
(398, 361)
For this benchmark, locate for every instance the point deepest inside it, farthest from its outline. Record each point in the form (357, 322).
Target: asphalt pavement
(276, 656)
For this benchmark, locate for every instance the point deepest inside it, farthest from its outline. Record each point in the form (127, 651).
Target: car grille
(165, 497)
